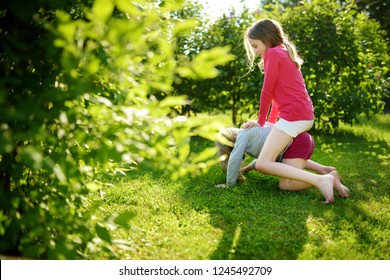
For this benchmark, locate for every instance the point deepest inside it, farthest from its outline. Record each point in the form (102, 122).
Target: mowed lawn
(191, 219)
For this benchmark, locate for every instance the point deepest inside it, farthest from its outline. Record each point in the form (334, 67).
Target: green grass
(191, 219)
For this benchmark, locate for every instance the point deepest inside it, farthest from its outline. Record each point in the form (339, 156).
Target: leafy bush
(77, 108)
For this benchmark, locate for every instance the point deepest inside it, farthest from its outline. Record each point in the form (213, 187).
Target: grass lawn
(191, 219)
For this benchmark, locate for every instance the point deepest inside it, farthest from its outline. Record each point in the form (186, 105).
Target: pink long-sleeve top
(284, 88)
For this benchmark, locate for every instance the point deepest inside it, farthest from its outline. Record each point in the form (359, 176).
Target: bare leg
(342, 190)
(319, 168)
(274, 144)
(293, 185)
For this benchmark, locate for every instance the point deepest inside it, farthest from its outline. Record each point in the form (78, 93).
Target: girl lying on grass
(251, 141)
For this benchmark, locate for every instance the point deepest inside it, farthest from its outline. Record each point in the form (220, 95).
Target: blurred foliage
(77, 107)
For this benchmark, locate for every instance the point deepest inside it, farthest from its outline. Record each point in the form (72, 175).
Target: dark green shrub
(77, 109)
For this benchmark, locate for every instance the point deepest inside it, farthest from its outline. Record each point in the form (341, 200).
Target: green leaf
(203, 66)
(171, 101)
(184, 26)
(205, 155)
(124, 218)
(31, 157)
(93, 187)
(102, 9)
(103, 233)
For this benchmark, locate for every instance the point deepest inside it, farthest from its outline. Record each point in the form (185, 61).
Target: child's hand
(241, 178)
(221, 186)
(250, 124)
(244, 170)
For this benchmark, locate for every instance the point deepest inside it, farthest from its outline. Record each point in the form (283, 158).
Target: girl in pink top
(292, 108)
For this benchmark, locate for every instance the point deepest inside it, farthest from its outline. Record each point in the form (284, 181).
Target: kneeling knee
(284, 184)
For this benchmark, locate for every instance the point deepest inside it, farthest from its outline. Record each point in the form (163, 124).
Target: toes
(328, 201)
(345, 192)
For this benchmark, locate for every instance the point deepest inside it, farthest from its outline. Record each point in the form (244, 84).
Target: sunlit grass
(375, 128)
(191, 219)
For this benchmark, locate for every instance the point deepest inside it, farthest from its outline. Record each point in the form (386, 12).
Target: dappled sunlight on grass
(163, 225)
(324, 243)
(375, 129)
(355, 231)
(191, 219)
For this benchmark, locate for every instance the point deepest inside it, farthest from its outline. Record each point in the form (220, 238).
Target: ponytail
(292, 52)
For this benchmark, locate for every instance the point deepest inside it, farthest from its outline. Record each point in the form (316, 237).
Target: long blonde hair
(271, 33)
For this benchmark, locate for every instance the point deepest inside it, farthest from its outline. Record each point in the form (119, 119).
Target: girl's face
(258, 46)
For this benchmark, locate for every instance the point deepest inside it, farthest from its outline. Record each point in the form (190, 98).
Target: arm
(271, 72)
(274, 115)
(319, 168)
(235, 158)
(272, 118)
(249, 167)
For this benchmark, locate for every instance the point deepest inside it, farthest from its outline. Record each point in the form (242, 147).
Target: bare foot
(329, 169)
(326, 188)
(339, 187)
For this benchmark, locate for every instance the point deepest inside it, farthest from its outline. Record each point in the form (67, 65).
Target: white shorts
(293, 128)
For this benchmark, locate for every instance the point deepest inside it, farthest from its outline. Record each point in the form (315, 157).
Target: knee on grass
(284, 184)
(261, 166)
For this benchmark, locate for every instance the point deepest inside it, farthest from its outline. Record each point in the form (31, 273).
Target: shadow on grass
(259, 221)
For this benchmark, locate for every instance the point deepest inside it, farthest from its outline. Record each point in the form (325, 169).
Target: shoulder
(276, 52)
